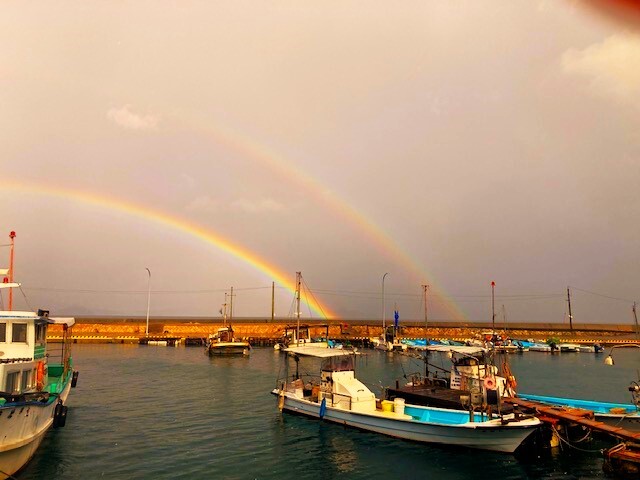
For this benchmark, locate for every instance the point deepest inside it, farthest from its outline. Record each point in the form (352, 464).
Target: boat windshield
(340, 363)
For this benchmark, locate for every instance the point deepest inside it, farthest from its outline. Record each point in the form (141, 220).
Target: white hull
(22, 429)
(229, 348)
(628, 422)
(480, 435)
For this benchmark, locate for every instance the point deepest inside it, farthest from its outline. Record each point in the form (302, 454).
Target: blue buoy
(323, 407)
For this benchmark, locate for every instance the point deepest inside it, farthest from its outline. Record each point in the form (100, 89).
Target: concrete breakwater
(265, 332)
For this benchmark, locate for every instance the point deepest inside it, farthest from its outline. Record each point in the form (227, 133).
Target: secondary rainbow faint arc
(188, 227)
(243, 145)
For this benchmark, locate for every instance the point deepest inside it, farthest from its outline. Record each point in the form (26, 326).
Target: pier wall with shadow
(266, 332)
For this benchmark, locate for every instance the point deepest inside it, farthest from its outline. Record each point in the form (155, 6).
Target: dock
(622, 459)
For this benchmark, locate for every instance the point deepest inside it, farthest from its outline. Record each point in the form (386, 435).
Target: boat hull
(494, 437)
(230, 348)
(23, 428)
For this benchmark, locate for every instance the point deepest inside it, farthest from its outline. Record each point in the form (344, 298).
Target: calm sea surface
(173, 412)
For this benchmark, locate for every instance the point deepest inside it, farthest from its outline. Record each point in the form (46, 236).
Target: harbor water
(153, 412)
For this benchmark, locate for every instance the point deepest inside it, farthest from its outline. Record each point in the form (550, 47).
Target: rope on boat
(571, 445)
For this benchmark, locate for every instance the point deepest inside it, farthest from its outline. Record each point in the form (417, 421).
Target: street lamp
(146, 332)
(609, 359)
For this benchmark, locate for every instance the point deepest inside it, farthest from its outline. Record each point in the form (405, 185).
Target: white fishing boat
(224, 342)
(35, 380)
(341, 398)
(299, 336)
(569, 347)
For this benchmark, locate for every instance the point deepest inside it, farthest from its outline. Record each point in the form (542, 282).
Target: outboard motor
(634, 388)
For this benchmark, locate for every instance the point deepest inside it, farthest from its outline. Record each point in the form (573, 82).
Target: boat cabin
(23, 351)
(22, 344)
(294, 334)
(224, 334)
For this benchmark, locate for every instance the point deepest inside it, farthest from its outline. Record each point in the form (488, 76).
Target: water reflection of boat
(341, 398)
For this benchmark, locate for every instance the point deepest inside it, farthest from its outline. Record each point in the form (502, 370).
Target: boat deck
(435, 396)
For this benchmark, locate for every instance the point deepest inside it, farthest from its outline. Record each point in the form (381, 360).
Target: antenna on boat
(570, 316)
(298, 282)
(224, 311)
(12, 235)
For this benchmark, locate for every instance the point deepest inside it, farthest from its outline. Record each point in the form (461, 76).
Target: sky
(232, 144)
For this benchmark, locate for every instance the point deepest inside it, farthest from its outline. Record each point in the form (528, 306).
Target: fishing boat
(471, 382)
(299, 336)
(594, 348)
(624, 415)
(339, 397)
(35, 379)
(569, 347)
(223, 342)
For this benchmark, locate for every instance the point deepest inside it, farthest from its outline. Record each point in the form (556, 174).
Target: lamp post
(383, 318)
(609, 359)
(146, 332)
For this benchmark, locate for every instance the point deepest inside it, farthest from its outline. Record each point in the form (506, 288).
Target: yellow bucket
(387, 406)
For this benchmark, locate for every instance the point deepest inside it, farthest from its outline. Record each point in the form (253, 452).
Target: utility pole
(146, 332)
(570, 316)
(384, 332)
(273, 300)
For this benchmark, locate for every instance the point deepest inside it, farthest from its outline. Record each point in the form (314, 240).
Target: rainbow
(197, 231)
(341, 208)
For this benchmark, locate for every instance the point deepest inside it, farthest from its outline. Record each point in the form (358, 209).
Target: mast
(231, 307)
(12, 235)
(224, 311)
(273, 300)
(493, 309)
(425, 288)
(635, 316)
(570, 316)
(384, 331)
(504, 317)
(298, 282)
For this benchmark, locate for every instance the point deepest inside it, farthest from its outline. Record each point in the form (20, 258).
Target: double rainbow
(205, 234)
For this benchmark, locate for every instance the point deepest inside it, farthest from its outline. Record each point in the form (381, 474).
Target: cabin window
(3, 332)
(19, 333)
(41, 332)
(12, 385)
(25, 383)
